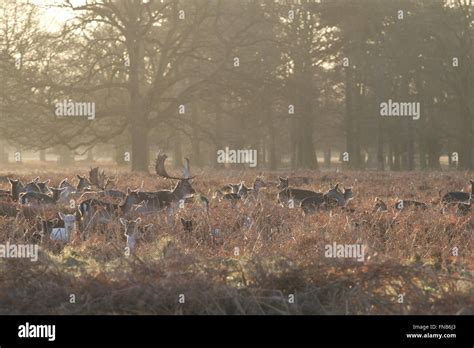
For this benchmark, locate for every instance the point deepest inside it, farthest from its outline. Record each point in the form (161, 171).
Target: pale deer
(132, 232)
(64, 234)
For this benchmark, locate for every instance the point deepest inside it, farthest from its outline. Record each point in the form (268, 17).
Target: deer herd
(93, 202)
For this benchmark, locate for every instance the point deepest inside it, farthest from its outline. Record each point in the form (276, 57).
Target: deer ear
(35, 180)
(128, 190)
(46, 182)
(79, 177)
(138, 220)
(123, 221)
(61, 215)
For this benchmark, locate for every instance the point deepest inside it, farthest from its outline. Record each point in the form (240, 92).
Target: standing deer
(83, 184)
(41, 198)
(131, 232)
(459, 196)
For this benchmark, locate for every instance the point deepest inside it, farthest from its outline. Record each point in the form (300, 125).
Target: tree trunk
(139, 119)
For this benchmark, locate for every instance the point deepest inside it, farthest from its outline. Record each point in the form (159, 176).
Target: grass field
(267, 259)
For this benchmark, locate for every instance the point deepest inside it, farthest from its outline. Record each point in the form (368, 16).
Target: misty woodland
(236, 156)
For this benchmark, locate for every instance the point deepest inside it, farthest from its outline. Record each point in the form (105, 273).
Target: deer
(245, 192)
(83, 184)
(33, 186)
(181, 190)
(115, 194)
(131, 232)
(16, 187)
(335, 196)
(229, 188)
(324, 200)
(287, 194)
(459, 196)
(64, 234)
(379, 205)
(67, 192)
(97, 178)
(41, 198)
(43, 186)
(94, 211)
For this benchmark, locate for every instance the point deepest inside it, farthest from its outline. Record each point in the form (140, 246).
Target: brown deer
(41, 198)
(181, 190)
(335, 197)
(84, 184)
(288, 195)
(459, 196)
(94, 211)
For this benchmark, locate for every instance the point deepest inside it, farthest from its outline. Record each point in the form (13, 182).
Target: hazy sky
(52, 16)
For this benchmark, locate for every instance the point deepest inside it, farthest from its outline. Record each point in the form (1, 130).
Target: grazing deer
(459, 196)
(405, 203)
(41, 198)
(131, 232)
(287, 194)
(379, 205)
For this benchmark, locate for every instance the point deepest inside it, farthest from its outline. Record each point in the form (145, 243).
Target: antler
(97, 177)
(161, 171)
